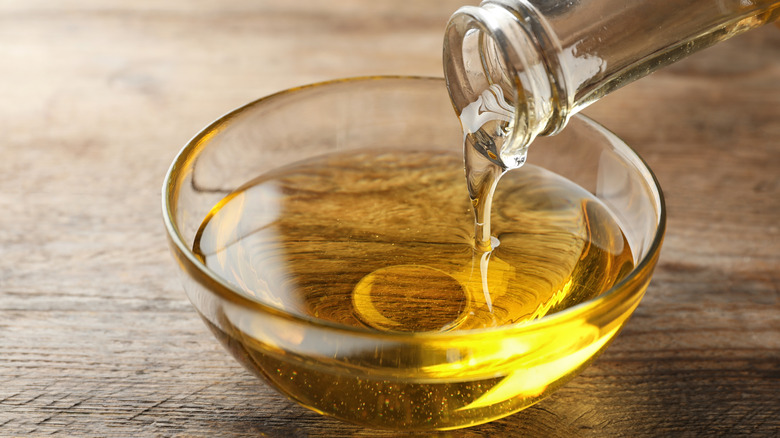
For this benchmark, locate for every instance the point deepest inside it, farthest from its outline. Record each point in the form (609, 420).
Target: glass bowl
(392, 379)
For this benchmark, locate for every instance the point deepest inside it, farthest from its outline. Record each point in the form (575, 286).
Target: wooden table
(98, 339)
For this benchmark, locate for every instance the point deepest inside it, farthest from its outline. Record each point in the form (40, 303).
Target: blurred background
(98, 339)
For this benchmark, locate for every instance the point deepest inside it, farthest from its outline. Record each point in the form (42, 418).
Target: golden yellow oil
(385, 241)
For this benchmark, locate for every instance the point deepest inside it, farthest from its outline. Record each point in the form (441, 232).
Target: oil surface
(385, 241)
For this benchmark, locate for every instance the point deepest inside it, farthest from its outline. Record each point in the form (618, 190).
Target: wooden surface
(98, 339)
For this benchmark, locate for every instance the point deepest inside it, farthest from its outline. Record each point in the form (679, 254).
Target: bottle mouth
(508, 51)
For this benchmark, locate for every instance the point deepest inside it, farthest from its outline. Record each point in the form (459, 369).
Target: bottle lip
(529, 54)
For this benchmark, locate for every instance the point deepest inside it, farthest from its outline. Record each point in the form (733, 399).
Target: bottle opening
(473, 61)
(508, 52)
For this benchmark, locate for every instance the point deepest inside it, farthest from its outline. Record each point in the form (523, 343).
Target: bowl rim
(215, 284)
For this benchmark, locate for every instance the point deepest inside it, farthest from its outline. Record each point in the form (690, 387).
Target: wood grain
(97, 338)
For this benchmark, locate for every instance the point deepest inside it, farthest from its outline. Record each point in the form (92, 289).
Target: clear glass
(408, 381)
(552, 58)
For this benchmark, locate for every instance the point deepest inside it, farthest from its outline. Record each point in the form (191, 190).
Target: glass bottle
(518, 69)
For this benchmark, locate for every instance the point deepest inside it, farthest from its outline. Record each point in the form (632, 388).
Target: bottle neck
(499, 52)
(518, 69)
